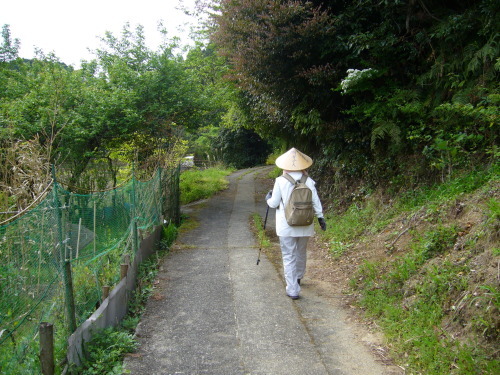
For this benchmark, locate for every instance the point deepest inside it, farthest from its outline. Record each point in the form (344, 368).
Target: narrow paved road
(214, 311)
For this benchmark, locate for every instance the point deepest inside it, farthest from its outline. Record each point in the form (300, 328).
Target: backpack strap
(289, 178)
(303, 179)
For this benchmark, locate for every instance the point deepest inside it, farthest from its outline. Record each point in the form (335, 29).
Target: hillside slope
(423, 267)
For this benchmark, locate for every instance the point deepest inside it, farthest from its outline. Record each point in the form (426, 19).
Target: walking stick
(262, 237)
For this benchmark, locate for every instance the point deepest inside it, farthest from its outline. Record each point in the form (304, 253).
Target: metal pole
(95, 233)
(177, 204)
(134, 208)
(78, 238)
(57, 210)
(134, 213)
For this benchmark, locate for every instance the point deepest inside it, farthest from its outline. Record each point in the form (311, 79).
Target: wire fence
(56, 258)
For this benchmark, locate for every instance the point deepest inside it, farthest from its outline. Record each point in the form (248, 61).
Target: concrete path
(214, 311)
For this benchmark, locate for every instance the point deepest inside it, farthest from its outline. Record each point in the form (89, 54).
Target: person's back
(294, 238)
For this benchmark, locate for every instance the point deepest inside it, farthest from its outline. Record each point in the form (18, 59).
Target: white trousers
(294, 253)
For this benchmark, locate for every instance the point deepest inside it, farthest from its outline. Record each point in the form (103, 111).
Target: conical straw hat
(294, 160)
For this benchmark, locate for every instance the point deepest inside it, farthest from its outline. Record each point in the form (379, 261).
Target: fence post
(105, 292)
(160, 194)
(135, 237)
(58, 209)
(123, 270)
(126, 258)
(65, 265)
(177, 199)
(134, 208)
(69, 296)
(47, 348)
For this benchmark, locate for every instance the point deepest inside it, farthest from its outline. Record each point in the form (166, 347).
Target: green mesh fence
(93, 233)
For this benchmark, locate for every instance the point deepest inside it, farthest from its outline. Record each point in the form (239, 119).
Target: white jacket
(281, 193)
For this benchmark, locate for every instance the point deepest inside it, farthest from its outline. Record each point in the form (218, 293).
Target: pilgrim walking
(294, 234)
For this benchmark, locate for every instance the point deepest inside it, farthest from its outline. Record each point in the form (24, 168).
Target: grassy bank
(427, 271)
(196, 184)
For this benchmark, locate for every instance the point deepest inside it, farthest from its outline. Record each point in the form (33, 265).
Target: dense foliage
(367, 86)
(387, 96)
(234, 146)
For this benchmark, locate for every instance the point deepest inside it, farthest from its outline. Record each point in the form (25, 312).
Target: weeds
(450, 190)
(413, 325)
(344, 229)
(106, 351)
(337, 248)
(493, 211)
(263, 240)
(488, 301)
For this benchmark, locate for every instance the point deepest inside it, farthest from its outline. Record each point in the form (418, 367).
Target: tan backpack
(299, 209)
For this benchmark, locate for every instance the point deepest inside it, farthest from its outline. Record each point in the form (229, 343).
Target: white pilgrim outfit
(293, 240)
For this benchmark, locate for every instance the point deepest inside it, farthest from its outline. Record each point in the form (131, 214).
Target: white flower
(354, 76)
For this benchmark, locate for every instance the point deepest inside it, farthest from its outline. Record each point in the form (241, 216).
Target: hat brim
(293, 160)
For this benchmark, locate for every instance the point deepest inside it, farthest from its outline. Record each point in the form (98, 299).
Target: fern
(487, 53)
(387, 129)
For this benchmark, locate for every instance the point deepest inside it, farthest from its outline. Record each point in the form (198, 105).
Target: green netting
(94, 233)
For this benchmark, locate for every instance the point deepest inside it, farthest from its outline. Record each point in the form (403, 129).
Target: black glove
(322, 223)
(269, 195)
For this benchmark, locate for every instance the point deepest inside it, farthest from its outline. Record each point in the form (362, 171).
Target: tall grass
(198, 184)
(412, 316)
(451, 189)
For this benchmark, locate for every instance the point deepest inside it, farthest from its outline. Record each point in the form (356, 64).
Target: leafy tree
(276, 52)
(204, 144)
(9, 48)
(206, 70)
(169, 96)
(129, 101)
